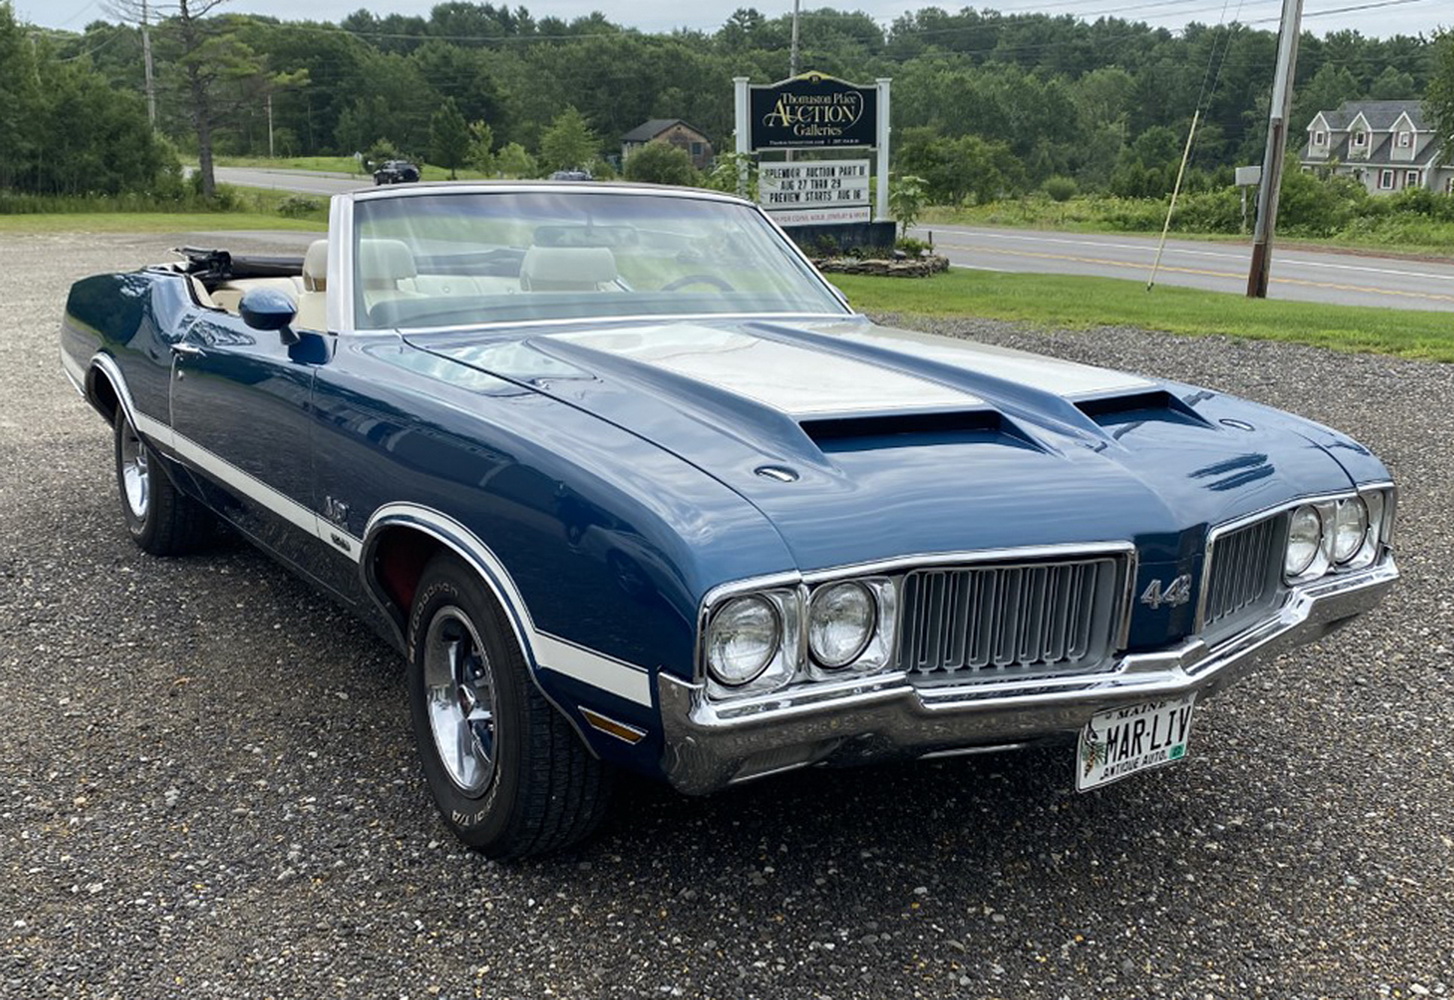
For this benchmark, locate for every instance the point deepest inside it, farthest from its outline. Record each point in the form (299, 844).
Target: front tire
(161, 519)
(510, 776)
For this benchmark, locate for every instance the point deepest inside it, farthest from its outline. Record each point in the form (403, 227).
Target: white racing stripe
(548, 651)
(797, 380)
(620, 678)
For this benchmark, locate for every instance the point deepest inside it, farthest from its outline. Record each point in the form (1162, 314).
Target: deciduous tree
(569, 142)
(1439, 98)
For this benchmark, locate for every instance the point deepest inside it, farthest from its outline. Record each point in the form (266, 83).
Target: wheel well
(101, 394)
(399, 558)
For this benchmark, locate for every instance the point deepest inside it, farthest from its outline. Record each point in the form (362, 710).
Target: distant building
(1386, 145)
(672, 131)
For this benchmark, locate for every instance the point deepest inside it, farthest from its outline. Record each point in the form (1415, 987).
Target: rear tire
(508, 773)
(161, 519)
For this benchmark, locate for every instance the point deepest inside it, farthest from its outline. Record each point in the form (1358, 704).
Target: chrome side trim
(148, 426)
(544, 650)
(884, 717)
(74, 372)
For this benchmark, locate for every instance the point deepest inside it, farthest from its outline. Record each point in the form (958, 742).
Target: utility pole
(151, 91)
(1287, 41)
(271, 154)
(793, 51)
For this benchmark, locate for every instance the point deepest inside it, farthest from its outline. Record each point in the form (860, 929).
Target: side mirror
(267, 309)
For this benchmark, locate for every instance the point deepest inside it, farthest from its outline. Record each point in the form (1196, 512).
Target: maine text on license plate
(1122, 741)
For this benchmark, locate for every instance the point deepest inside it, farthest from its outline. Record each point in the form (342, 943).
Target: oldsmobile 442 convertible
(631, 486)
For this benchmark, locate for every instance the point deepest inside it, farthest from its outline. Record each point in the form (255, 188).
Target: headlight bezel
(794, 661)
(1376, 501)
(780, 661)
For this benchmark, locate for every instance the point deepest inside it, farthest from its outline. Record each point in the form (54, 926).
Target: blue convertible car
(631, 486)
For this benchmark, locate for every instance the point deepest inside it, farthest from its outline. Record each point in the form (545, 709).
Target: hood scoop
(1121, 411)
(852, 432)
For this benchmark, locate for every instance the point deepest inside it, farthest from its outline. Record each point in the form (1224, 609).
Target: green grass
(331, 164)
(242, 208)
(1086, 303)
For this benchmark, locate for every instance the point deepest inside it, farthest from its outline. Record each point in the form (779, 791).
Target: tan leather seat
(567, 269)
(313, 301)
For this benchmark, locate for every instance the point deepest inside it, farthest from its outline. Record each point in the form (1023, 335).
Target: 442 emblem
(1174, 594)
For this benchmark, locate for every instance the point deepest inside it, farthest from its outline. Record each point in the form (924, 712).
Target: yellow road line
(1336, 286)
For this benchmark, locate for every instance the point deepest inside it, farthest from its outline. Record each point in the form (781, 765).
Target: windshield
(468, 257)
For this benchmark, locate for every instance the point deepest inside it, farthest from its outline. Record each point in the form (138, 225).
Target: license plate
(1121, 741)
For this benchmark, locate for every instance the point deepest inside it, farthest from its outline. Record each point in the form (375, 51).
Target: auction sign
(813, 110)
(809, 192)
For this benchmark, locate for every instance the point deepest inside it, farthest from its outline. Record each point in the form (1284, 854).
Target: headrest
(315, 267)
(564, 269)
(383, 262)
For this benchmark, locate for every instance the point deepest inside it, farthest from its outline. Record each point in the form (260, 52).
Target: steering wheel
(698, 279)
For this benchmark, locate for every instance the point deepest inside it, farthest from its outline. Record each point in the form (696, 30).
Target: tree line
(985, 104)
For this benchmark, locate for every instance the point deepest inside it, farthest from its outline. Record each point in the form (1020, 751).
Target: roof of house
(1380, 115)
(647, 131)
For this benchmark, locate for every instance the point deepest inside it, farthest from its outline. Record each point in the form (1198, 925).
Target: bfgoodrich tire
(161, 519)
(509, 775)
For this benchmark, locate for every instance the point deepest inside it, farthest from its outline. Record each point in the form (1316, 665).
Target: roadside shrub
(1310, 206)
(296, 206)
(912, 247)
(1209, 212)
(661, 163)
(1061, 189)
(1421, 201)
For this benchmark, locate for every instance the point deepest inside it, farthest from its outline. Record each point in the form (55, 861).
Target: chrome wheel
(135, 473)
(459, 694)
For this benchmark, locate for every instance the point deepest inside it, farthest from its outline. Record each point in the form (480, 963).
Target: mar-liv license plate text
(1122, 741)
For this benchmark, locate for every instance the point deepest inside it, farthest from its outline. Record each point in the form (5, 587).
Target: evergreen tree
(449, 138)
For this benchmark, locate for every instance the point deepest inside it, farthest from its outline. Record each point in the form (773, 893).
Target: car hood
(860, 442)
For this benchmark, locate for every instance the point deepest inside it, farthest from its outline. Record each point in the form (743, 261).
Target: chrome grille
(1244, 568)
(1029, 619)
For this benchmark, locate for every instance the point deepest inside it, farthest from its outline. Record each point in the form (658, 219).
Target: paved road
(208, 788)
(302, 181)
(1311, 276)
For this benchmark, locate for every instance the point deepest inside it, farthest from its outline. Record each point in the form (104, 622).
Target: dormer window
(1360, 140)
(1320, 138)
(1405, 140)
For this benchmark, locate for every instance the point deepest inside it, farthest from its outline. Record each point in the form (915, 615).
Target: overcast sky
(1383, 18)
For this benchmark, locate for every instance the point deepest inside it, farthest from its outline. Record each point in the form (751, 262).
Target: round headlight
(841, 619)
(1304, 540)
(742, 639)
(1350, 528)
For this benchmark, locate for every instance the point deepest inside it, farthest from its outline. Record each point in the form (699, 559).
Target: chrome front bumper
(868, 719)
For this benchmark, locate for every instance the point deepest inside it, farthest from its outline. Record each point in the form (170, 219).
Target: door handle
(182, 349)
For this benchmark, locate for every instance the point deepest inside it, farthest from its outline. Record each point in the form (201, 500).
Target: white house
(1387, 145)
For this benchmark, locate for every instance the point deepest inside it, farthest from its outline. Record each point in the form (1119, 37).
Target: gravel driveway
(208, 788)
